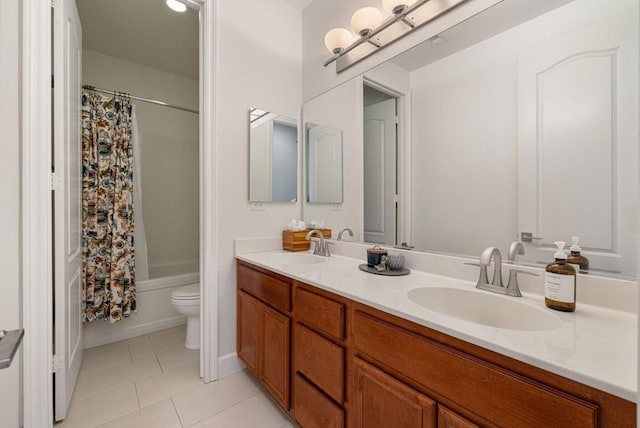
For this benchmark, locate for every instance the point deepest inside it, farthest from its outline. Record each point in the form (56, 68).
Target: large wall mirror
(468, 141)
(273, 157)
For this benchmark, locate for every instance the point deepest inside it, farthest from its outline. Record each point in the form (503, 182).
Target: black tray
(366, 268)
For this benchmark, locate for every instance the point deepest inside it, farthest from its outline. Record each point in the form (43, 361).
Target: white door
(578, 143)
(324, 165)
(380, 177)
(67, 202)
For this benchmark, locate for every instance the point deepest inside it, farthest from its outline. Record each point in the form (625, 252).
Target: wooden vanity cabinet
(319, 358)
(264, 328)
(333, 362)
(379, 400)
(470, 385)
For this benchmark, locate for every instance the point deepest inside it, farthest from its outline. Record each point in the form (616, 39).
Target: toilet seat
(188, 292)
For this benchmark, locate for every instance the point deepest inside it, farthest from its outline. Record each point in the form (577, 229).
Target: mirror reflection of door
(324, 164)
(577, 156)
(380, 169)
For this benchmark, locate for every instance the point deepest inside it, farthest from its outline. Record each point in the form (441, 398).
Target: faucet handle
(513, 288)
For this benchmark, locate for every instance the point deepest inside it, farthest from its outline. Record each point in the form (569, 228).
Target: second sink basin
(484, 308)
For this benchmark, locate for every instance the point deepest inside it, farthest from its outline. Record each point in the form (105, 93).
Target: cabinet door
(247, 330)
(382, 401)
(275, 359)
(449, 419)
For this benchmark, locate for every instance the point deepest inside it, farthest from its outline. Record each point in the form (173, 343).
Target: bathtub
(154, 309)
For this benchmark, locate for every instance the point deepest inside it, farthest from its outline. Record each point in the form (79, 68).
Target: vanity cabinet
(344, 363)
(319, 358)
(471, 385)
(264, 328)
(382, 401)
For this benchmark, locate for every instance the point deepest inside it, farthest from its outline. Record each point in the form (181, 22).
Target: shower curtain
(108, 269)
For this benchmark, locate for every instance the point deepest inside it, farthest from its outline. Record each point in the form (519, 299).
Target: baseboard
(123, 332)
(229, 364)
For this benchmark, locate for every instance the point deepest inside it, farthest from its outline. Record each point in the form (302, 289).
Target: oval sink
(485, 308)
(296, 259)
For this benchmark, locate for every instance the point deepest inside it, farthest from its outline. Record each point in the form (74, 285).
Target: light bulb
(366, 19)
(176, 5)
(396, 6)
(337, 39)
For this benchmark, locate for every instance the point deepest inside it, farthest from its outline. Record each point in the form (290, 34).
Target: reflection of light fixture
(176, 5)
(394, 7)
(369, 24)
(365, 20)
(337, 39)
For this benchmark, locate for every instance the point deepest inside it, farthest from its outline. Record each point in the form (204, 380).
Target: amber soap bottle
(560, 282)
(579, 262)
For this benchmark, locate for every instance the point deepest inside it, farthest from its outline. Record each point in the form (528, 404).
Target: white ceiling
(146, 32)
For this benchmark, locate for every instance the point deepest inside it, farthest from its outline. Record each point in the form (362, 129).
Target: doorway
(381, 164)
(156, 81)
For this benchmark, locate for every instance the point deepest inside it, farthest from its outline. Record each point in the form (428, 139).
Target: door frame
(37, 228)
(403, 172)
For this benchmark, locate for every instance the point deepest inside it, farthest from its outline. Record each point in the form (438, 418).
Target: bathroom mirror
(532, 130)
(323, 154)
(273, 157)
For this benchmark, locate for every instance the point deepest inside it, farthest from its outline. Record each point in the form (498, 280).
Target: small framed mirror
(273, 157)
(323, 164)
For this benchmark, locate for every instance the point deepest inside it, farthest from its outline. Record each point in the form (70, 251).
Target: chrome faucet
(321, 248)
(515, 249)
(346, 229)
(485, 260)
(496, 285)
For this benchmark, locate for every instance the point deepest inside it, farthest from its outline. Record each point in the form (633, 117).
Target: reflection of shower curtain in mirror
(108, 269)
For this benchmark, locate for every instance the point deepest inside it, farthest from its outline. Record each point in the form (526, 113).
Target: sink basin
(296, 259)
(485, 308)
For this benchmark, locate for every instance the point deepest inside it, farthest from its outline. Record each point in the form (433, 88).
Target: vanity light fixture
(176, 5)
(371, 29)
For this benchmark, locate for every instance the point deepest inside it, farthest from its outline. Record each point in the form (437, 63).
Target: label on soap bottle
(560, 288)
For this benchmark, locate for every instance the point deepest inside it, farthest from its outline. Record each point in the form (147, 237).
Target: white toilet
(186, 300)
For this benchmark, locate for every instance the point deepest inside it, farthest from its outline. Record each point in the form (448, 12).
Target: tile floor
(153, 381)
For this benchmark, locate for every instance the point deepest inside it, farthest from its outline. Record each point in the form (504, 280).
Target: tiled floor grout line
(177, 413)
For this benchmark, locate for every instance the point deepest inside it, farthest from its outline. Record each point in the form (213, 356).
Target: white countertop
(594, 346)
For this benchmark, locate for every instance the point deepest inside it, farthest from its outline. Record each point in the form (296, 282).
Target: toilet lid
(187, 292)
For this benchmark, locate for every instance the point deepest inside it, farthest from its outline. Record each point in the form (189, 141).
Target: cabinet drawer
(449, 419)
(312, 409)
(514, 400)
(270, 290)
(320, 313)
(321, 361)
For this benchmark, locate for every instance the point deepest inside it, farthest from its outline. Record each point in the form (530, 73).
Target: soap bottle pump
(560, 282)
(575, 259)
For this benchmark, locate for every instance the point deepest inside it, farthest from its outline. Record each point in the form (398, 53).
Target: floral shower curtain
(108, 274)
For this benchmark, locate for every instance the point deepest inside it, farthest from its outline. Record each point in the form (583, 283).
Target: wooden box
(295, 241)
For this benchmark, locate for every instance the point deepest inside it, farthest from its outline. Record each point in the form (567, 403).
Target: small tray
(366, 268)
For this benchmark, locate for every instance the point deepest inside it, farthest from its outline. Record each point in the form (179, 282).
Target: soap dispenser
(579, 262)
(560, 282)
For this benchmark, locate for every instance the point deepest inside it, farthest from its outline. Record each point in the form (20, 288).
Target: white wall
(257, 64)
(340, 109)
(169, 153)
(10, 286)
(322, 15)
(465, 177)
(169, 157)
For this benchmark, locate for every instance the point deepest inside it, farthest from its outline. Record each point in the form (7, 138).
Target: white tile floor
(153, 381)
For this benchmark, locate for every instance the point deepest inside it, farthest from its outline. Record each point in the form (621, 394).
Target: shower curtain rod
(146, 100)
